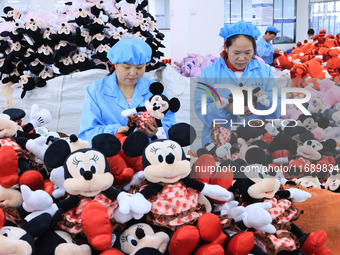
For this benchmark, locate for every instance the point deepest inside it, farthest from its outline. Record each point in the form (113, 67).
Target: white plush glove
(37, 146)
(298, 195)
(216, 192)
(39, 118)
(161, 133)
(133, 203)
(224, 151)
(280, 161)
(263, 100)
(257, 216)
(37, 202)
(57, 178)
(128, 112)
(229, 207)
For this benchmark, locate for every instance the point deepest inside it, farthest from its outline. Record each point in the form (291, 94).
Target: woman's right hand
(123, 129)
(247, 112)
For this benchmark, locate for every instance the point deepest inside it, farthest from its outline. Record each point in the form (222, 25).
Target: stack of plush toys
(37, 45)
(313, 60)
(129, 194)
(193, 64)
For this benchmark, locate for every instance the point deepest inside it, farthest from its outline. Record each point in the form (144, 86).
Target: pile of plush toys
(37, 45)
(193, 64)
(127, 194)
(316, 59)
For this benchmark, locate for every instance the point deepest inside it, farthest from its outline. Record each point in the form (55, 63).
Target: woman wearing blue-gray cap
(125, 88)
(265, 49)
(237, 68)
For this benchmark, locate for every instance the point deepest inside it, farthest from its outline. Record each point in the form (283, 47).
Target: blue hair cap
(240, 28)
(273, 29)
(130, 50)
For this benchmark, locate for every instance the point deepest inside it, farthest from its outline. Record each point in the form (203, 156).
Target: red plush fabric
(203, 171)
(241, 244)
(2, 218)
(210, 249)
(112, 252)
(9, 167)
(32, 179)
(96, 225)
(184, 240)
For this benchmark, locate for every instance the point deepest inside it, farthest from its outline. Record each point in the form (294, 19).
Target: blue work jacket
(265, 50)
(104, 102)
(256, 74)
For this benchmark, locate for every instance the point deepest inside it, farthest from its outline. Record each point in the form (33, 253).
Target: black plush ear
(135, 144)
(256, 155)
(56, 153)
(156, 88)
(182, 133)
(15, 113)
(174, 104)
(107, 144)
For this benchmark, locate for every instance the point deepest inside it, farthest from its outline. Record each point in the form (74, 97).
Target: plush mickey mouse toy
(156, 107)
(176, 198)
(256, 183)
(93, 202)
(15, 240)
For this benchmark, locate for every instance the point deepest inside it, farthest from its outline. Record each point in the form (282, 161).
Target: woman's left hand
(150, 127)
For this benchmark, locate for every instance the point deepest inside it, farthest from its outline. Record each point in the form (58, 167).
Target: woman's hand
(247, 112)
(150, 127)
(123, 129)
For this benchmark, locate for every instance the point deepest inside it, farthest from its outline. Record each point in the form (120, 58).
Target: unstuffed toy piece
(165, 162)
(89, 182)
(156, 107)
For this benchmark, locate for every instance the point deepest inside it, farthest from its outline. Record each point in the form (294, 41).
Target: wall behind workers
(195, 25)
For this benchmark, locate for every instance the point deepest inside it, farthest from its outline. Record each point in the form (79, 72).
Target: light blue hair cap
(130, 50)
(240, 28)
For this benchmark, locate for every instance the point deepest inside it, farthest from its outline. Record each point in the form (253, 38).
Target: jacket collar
(111, 89)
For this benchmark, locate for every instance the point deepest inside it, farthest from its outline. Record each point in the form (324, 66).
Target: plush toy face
(166, 162)
(45, 50)
(309, 123)
(309, 182)
(48, 32)
(310, 150)
(264, 186)
(336, 118)
(316, 105)
(46, 73)
(8, 127)
(11, 243)
(142, 235)
(64, 29)
(33, 25)
(156, 106)
(88, 175)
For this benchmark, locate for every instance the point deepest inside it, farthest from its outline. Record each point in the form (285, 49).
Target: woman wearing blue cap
(125, 88)
(236, 67)
(265, 49)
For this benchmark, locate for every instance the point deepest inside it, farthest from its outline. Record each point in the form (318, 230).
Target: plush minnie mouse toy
(93, 203)
(156, 107)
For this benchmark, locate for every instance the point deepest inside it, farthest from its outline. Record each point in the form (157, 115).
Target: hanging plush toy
(156, 107)
(93, 203)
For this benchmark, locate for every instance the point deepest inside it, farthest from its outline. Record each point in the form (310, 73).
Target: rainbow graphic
(209, 93)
